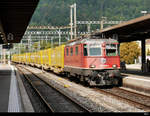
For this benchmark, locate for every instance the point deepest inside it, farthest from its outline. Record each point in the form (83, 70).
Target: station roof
(15, 16)
(132, 30)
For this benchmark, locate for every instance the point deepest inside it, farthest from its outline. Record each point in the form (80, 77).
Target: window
(76, 50)
(95, 51)
(71, 51)
(67, 51)
(118, 50)
(85, 50)
(111, 50)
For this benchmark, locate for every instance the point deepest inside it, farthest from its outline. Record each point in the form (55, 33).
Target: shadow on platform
(135, 72)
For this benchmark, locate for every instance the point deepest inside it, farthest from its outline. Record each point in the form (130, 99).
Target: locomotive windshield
(95, 51)
(92, 50)
(111, 50)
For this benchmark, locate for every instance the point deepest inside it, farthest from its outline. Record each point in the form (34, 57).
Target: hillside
(57, 12)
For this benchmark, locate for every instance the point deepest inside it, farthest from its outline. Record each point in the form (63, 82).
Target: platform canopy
(132, 30)
(15, 16)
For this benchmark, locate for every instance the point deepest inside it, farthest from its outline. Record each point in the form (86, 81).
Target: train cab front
(103, 61)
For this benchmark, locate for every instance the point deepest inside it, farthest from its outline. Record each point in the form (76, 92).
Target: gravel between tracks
(87, 96)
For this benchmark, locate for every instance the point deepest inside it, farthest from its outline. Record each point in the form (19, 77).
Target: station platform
(13, 97)
(136, 80)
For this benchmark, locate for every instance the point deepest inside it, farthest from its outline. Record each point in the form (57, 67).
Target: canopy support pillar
(144, 67)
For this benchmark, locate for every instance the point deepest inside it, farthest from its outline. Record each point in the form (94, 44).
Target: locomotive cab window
(94, 50)
(111, 50)
(118, 50)
(85, 50)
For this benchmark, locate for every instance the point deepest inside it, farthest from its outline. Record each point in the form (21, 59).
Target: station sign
(10, 37)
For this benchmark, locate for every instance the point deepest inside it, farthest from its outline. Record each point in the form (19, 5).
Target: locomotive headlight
(114, 66)
(103, 60)
(92, 66)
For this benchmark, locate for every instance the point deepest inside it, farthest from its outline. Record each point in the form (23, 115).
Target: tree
(22, 49)
(42, 44)
(48, 45)
(57, 12)
(35, 46)
(148, 52)
(129, 52)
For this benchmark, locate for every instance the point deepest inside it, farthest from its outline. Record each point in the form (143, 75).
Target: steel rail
(30, 82)
(139, 94)
(121, 98)
(85, 109)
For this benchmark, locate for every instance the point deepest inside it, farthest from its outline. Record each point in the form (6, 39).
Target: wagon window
(76, 50)
(71, 51)
(67, 52)
(85, 50)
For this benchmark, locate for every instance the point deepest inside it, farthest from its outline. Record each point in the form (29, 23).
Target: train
(94, 61)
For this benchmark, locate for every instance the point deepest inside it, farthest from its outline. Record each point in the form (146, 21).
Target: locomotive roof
(91, 40)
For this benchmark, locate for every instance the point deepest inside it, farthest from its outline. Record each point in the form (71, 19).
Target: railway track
(135, 99)
(55, 100)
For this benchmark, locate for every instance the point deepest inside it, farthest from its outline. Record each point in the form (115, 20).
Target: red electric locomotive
(94, 61)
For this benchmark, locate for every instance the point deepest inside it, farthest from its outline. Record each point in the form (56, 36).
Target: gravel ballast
(91, 99)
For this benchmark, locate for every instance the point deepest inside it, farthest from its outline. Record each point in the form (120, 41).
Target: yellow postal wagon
(57, 59)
